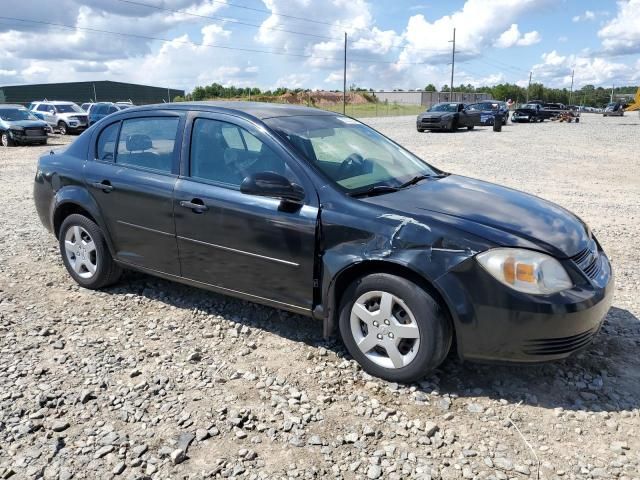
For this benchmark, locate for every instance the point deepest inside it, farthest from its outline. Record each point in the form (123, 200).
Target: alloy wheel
(384, 329)
(81, 252)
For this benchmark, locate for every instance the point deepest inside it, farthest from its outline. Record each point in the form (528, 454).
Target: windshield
(16, 114)
(444, 107)
(69, 108)
(530, 105)
(351, 154)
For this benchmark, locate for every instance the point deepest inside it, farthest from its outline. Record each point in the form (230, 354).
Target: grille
(589, 261)
(430, 120)
(560, 345)
(80, 118)
(34, 132)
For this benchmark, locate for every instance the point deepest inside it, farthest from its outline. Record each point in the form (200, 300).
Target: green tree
(430, 88)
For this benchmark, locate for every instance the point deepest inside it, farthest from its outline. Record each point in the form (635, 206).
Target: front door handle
(104, 185)
(196, 205)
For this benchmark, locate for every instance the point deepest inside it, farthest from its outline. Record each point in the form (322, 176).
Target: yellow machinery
(632, 107)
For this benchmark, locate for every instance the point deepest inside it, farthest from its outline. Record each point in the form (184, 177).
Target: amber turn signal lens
(509, 270)
(525, 273)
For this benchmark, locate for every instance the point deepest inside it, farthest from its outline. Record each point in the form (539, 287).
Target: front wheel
(62, 128)
(470, 127)
(85, 253)
(7, 141)
(393, 327)
(421, 130)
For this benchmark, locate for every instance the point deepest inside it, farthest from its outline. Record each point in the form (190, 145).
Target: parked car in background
(102, 109)
(126, 104)
(18, 126)
(66, 117)
(489, 109)
(529, 112)
(87, 106)
(318, 214)
(613, 109)
(448, 116)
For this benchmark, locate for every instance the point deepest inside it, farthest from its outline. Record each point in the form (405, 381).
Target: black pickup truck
(529, 112)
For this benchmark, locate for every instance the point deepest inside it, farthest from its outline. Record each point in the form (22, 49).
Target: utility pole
(529, 86)
(95, 96)
(612, 88)
(344, 85)
(571, 91)
(168, 95)
(453, 61)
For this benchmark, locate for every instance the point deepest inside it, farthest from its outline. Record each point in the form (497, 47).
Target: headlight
(525, 270)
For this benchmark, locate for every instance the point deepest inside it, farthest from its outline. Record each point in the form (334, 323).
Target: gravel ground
(151, 379)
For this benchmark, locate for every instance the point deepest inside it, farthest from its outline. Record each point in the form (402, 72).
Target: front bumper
(26, 139)
(430, 124)
(495, 323)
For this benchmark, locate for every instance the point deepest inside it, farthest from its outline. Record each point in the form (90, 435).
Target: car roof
(10, 105)
(260, 110)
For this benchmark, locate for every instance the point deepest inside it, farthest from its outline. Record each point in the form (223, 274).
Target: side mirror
(52, 111)
(270, 184)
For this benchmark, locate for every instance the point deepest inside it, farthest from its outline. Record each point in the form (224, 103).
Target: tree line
(588, 95)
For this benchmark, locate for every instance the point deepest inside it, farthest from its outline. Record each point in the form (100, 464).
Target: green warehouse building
(81, 92)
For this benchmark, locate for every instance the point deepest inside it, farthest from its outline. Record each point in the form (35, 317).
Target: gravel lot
(151, 379)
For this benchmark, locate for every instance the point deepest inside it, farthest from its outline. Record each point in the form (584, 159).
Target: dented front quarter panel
(354, 232)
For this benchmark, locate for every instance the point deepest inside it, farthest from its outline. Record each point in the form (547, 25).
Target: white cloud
(587, 15)
(621, 35)
(512, 37)
(479, 24)
(556, 70)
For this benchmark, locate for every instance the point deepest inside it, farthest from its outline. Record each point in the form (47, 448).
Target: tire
(421, 130)
(452, 127)
(470, 127)
(85, 253)
(43, 142)
(62, 127)
(6, 140)
(415, 312)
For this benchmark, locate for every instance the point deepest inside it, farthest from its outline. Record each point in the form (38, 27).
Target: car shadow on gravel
(604, 377)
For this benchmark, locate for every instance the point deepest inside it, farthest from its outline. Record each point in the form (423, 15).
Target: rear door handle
(104, 185)
(195, 204)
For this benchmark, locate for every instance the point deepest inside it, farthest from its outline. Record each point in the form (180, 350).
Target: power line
(225, 19)
(209, 45)
(214, 17)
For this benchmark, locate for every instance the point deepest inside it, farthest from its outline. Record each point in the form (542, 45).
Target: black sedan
(318, 214)
(447, 116)
(18, 126)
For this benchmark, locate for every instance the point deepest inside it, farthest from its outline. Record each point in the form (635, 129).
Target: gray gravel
(151, 379)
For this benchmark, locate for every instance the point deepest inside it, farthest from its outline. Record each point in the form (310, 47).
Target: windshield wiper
(414, 180)
(374, 190)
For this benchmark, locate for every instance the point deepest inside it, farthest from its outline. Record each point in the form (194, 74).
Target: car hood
(26, 123)
(527, 111)
(436, 114)
(72, 114)
(501, 215)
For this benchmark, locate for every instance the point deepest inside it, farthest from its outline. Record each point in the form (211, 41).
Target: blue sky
(392, 44)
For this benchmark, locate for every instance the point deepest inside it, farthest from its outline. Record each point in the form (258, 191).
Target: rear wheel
(85, 253)
(393, 327)
(7, 141)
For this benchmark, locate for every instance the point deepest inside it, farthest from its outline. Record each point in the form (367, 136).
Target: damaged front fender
(352, 247)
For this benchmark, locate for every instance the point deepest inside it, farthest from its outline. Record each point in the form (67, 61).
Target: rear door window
(148, 142)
